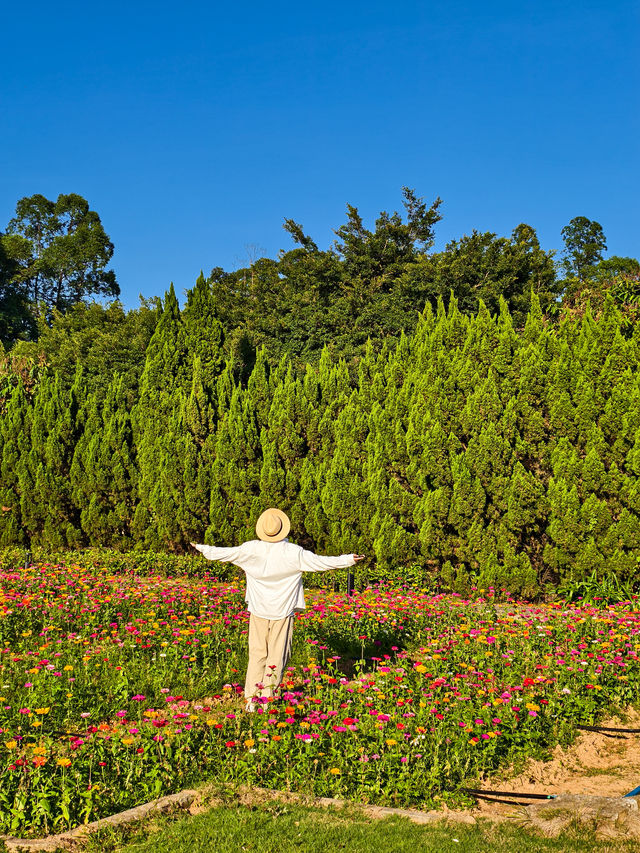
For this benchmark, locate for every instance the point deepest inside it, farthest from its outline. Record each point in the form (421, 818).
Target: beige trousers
(269, 653)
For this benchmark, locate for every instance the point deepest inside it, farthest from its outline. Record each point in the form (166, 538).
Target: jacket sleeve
(310, 562)
(235, 555)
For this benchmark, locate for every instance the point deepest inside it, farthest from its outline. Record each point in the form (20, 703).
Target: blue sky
(194, 129)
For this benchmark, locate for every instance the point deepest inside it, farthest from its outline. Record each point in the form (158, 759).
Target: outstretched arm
(310, 562)
(220, 555)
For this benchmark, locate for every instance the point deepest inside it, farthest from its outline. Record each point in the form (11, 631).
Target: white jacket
(274, 573)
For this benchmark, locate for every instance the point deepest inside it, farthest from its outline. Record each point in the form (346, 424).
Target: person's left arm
(235, 555)
(310, 562)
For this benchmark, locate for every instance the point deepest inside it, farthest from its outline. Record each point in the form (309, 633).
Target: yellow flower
(531, 707)
(42, 710)
(127, 741)
(36, 723)
(67, 668)
(421, 668)
(38, 750)
(11, 744)
(335, 771)
(391, 742)
(63, 762)
(249, 742)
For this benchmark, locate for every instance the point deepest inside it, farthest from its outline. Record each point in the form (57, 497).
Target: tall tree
(61, 251)
(584, 243)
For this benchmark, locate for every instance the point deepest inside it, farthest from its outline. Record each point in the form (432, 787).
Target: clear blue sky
(195, 128)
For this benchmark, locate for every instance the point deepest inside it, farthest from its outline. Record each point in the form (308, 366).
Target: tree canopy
(54, 254)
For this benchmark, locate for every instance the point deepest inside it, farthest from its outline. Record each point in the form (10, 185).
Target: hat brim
(281, 534)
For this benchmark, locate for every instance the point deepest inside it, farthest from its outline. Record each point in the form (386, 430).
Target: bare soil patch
(597, 764)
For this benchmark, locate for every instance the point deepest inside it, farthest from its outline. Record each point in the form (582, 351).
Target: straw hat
(273, 525)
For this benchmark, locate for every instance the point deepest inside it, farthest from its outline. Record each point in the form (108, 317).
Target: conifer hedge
(482, 454)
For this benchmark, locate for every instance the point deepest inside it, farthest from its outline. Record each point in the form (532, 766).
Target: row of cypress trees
(481, 453)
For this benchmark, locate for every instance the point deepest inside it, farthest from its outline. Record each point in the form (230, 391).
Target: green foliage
(486, 455)
(105, 341)
(59, 251)
(373, 283)
(598, 589)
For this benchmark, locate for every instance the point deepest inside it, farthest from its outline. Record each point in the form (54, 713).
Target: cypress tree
(345, 496)
(166, 373)
(204, 335)
(235, 478)
(49, 515)
(103, 474)
(14, 428)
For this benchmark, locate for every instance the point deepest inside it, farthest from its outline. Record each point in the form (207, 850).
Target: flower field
(116, 688)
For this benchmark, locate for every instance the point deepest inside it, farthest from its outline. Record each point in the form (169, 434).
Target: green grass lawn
(279, 828)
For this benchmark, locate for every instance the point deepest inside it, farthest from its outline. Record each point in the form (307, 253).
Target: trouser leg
(258, 634)
(278, 653)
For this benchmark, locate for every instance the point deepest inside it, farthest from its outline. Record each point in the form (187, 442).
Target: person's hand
(358, 557)
(194, 544)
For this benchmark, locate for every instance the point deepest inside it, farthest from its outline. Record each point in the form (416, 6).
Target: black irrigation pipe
(479, 792)
(608, 729)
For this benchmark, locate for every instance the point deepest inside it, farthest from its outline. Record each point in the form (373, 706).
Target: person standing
(273, 567)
